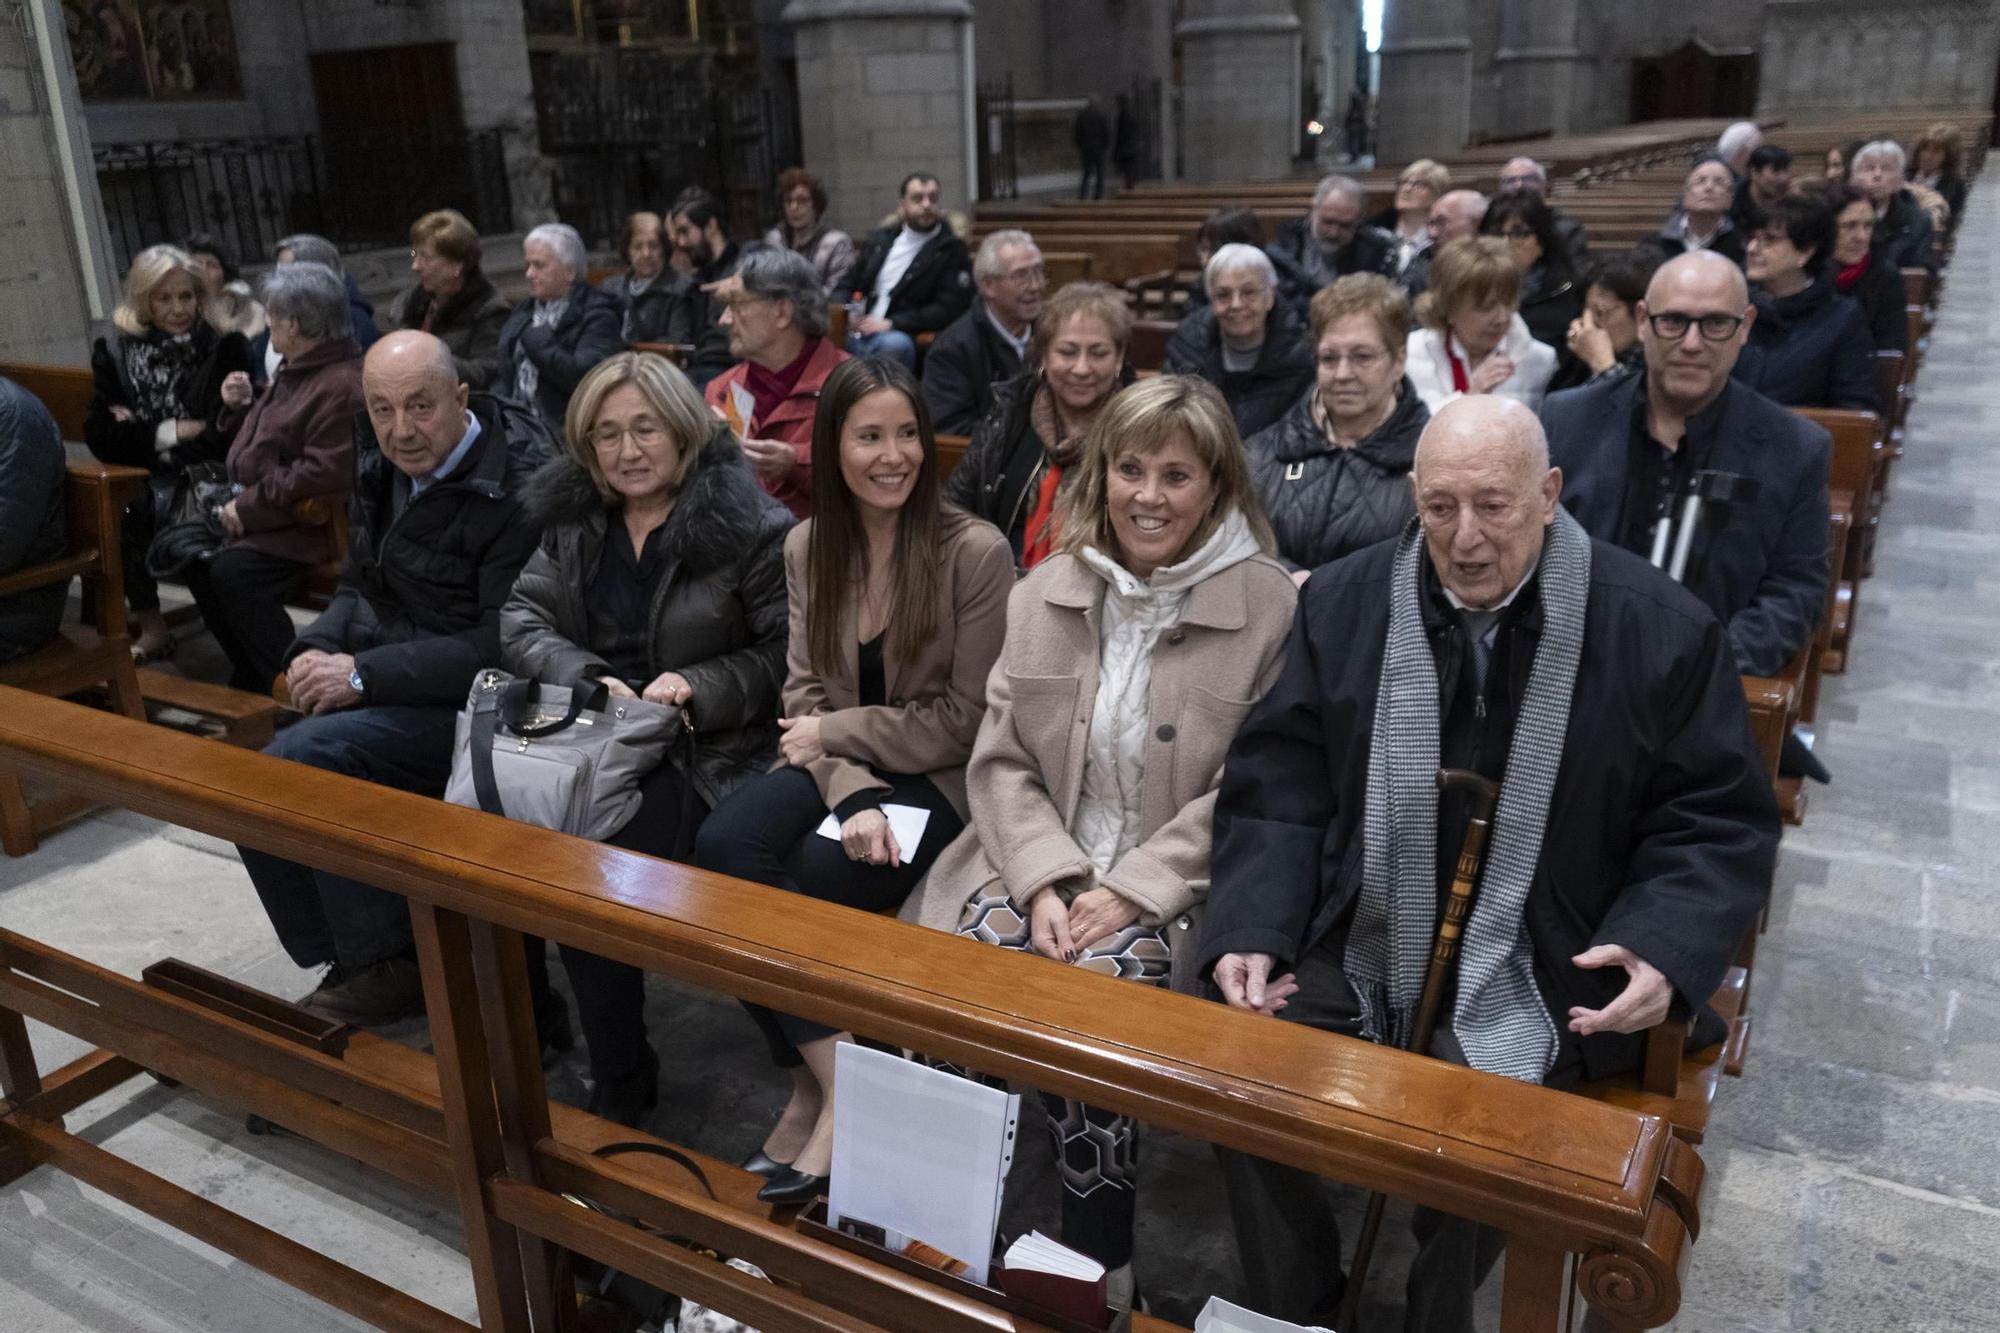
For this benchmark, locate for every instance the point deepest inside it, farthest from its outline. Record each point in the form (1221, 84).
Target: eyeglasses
(645, 434)
(1027, 277)
(1362, 361)
(1714, 328)
(1231, 296)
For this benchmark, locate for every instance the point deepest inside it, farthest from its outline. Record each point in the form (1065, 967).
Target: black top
(1655, 483)
(619, 603)
(874, 691)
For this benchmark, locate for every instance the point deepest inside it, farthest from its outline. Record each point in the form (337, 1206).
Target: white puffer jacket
(1135, 614)
(1428, 365)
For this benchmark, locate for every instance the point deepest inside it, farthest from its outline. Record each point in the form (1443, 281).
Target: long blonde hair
(151, 267)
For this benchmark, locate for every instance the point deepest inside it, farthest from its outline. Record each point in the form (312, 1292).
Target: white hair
(986, 264)
(1234, 258)
(1540, 172)
(1740, 137)
(1888, 149)
(563, 239)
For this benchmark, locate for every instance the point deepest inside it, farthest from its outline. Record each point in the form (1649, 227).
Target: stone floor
(1853, 1182)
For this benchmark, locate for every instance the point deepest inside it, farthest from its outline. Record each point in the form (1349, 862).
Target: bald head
(1456, 215)
(1486, 495)
(1692, 324)
(415, 402)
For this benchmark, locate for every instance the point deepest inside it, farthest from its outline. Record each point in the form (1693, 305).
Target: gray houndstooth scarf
(1498, 1017)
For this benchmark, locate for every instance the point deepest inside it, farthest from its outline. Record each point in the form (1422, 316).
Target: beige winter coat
(1026, 774)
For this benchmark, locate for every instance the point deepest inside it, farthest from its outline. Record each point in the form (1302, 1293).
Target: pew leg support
(20, 1079)
(1536, 1294)
(17, 822)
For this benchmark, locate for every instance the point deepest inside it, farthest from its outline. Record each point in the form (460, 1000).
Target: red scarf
(1460, 381)
(768, 388)
(1038, 539)
(1845, 280)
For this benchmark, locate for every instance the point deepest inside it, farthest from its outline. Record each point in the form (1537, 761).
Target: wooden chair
(64, 390)
(1146, 349)
(94, 655)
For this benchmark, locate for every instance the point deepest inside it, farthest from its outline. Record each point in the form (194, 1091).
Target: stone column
(1543, 69)
(885, 89)
(1426, 98)
(1239, 87)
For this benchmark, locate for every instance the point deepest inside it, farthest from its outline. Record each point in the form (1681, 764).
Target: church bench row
(1562, 1174)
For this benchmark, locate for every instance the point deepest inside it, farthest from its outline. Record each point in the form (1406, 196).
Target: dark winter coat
(1662, 832)
(670, 310)
(1879, 293)
(1304, 269)
(1551, 298)
(468, 322)
(1903, 234)
(131, 442)
(591, 329)
(718, 615)
(32, 467)
(1664, 245)
(934, 290)
(1003, 464)
(296, 442)
(1257, 396)
(1326, 502)
(1761, 568)
(965, 365)
(419, 601)
(1810, 349)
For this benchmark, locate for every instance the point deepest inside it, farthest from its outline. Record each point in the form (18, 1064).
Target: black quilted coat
(1324, 502)
(718, 615)
(1257, 397)
(419, 599)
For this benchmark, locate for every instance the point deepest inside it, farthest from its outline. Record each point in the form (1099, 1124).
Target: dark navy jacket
(1762, 568)
(1810, 349)
(32, 465)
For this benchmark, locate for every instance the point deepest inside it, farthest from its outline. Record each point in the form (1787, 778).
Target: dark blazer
(1257, 397)
(32, 466)
(591, 329)
(297, 442)
(1662, 832)
(933, 291)
(1903, 234)
(717, 615)
(1810, 349)
(468, 322)
(1762, 570)
(1879, 293)
(419, 600)
(935, 700)
(965, 364)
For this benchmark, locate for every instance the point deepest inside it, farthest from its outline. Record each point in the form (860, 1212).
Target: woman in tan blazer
(1130, 658)
(898, 601)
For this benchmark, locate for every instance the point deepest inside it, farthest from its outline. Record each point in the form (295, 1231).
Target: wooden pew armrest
(49, 572)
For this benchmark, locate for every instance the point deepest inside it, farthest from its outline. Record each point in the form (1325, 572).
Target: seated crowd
(1168, 662)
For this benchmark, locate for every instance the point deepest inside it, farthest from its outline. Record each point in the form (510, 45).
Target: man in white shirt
(914, 276)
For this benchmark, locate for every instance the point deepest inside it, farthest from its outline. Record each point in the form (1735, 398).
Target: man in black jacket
(1635, 842)
(985, 346)
(1330, 241)
(1902, 225)
(436, 535)
(1631, 447)
(914, 276)
(32, 465)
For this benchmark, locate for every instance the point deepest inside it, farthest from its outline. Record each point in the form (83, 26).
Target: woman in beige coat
(1130, 658)
(898, 601)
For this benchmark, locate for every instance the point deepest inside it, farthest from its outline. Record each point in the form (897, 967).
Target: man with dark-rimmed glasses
(1632, 449)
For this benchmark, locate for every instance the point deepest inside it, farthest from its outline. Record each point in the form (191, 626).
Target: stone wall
(43, 311)
(1838, 56)
(1239, 88)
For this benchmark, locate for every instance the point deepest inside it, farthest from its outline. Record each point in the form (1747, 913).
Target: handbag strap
(684, 831)
(485, 720)
(518, 696)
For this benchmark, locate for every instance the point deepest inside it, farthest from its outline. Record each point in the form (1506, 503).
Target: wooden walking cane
(1444, 960)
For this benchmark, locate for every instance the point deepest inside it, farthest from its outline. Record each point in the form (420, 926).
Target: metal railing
(251, 192)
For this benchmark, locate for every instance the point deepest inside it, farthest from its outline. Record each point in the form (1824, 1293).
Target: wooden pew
(94, 655)
(1857, 444)
(64, 390)
(1561, 1175)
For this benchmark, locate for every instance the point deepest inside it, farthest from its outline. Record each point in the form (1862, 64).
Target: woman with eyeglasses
(1809, 346)
(1333, 473)
(660, 574)
(1551, 296)
(1603, 341)
(452, 300)
(1242, 341)
(1874, 284)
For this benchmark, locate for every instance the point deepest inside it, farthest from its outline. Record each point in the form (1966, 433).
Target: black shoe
(760, 1163)
(792, 1188)
(372, 996)
(630, 1099)
(552, 1028)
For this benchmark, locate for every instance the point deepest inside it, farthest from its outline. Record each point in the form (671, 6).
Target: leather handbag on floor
(569, 760)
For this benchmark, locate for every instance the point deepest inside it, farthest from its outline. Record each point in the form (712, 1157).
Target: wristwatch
(358, 684)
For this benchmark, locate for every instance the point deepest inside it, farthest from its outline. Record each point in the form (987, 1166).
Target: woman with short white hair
(1244, 341)
(549, 343)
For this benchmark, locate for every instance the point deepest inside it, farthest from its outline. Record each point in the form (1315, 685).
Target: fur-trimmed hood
(720, 510)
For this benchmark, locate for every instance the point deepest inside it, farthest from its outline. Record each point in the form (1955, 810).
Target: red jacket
(295, 442)
(791, 421)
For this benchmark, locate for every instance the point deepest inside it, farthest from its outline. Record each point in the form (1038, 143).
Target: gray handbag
(569, 760)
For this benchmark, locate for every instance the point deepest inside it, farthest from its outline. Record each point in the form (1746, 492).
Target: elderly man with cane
(1632, 838)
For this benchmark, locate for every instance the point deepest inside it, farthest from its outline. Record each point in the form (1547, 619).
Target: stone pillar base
(1426, 99)
(1239, 94)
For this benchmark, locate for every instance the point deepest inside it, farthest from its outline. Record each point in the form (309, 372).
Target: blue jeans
(322, 917)
(891, 342)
